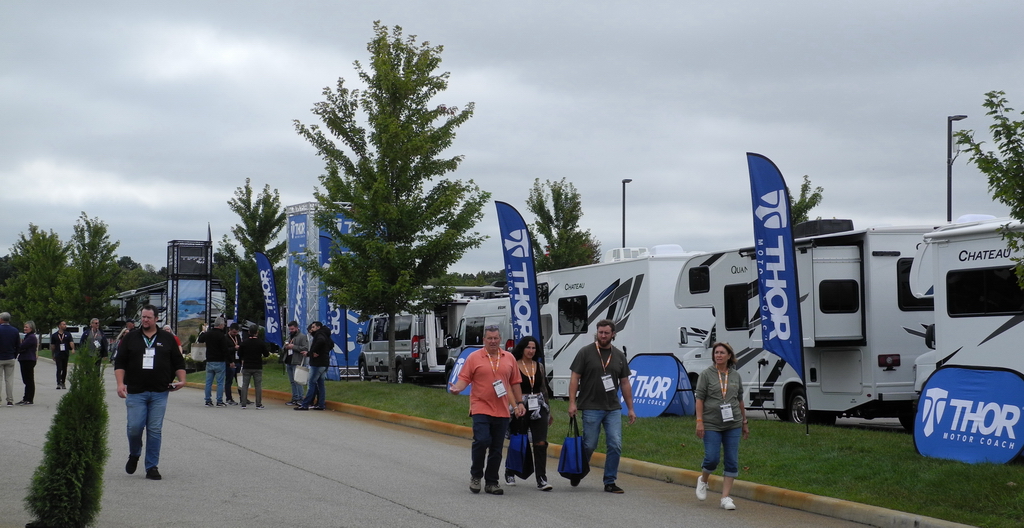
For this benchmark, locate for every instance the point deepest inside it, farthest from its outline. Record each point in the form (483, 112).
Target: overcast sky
(149, 115)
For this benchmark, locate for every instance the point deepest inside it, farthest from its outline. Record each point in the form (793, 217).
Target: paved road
(278, 467)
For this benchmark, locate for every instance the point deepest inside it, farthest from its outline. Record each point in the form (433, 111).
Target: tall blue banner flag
(273, 315)
(519, 271)
(776, 262)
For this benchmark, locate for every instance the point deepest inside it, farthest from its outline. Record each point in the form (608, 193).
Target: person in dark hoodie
(319, 359)
(252, 351)
(218, 348)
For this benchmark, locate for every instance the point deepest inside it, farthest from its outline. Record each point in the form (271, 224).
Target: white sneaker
(702, 489)
(727, 503)
(510, 480)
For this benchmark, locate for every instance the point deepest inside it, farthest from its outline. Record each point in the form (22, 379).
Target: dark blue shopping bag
(572, 462)
(519, 460)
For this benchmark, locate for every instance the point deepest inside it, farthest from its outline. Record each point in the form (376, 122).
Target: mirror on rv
(453, 342)
(362, 338)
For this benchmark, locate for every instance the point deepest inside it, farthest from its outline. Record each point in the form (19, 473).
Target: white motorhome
(633, 288)
(421, 339)
(862, 328)
(969, 272)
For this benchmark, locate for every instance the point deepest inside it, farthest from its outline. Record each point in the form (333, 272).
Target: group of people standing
(227, 354)
(316, 356)
(512, 386)
(15, 348)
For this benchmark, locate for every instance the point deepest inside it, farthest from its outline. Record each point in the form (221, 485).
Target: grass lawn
(880, 468)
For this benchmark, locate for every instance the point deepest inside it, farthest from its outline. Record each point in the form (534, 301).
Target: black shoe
(23, 402)
(153, 474)
(319, 408)
(612, 488)
(209, 404)
(293, 402)
(131, 465)
(59, 387)
(301, 408)
(574, 482)
(221, 404)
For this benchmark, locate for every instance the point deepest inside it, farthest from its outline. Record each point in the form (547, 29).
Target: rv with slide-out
(862, 328)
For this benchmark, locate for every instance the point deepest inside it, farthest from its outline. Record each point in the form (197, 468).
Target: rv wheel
(364, 375)
(907, 421)
(399, 374)
(797, 407)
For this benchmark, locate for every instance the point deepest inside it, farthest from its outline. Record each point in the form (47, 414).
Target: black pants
(62, 368)
(28, 376)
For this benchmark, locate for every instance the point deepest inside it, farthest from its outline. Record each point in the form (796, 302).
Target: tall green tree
(90, 280)
(410, 223)
(39, 258)
(801, 207)
(558, 209)
(261, 221)
(1005, 168)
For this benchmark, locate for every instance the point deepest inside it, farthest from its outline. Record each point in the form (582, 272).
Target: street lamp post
(949, 164)
(624, 182)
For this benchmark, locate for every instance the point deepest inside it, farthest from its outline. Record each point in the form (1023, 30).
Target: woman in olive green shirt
(721, 420)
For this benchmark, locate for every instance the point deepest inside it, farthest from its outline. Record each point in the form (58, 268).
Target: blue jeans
(146, 411)
(488, 439)
(713, 442)
(296, 387)
(317, 376)
(612, 422)
(215, 369)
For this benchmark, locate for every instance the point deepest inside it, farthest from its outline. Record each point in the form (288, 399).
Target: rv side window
(904, 298)
(839, 296)
(700, 279)
(736, 299)
(983, 292)
(545, 325)
(403, 328)
(474, 332)
(572, 315)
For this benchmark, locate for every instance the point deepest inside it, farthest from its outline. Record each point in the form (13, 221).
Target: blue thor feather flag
(519, 271)
(273, 315)
(776, 263)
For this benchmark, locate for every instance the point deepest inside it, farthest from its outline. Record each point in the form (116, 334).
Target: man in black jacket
(218, 350)
(319, 359)
(148, 361)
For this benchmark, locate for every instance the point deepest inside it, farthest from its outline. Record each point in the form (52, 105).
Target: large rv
(971, 386)
(421, 339)
(969, 272)
(862, 328)
(633, 288)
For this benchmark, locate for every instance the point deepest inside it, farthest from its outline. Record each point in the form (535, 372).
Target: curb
(797, 500)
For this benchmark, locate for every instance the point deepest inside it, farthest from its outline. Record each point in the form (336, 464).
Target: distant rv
(862, 327)
(971, 385)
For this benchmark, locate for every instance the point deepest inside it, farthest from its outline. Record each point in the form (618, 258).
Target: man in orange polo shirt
(494, 395)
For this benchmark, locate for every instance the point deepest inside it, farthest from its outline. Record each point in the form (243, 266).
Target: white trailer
(862, 328)
(969, 272)
(633, 288)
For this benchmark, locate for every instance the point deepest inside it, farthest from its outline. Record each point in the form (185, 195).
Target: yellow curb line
(797, 500)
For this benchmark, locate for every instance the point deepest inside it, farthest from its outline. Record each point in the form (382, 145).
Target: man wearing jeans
(147, 362)
(319, 359)
(218, 351)
(598, 372)
(296, 349)
(496, 388)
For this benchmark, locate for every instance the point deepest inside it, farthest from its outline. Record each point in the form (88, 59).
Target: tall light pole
(949, 164)
(624, 182)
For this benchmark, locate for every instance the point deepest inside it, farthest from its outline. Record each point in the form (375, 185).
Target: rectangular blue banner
(519, 271)
(776, 262)
(298, 283)
(265, 272)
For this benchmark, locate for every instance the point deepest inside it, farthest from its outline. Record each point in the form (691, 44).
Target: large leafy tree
(39, 258)
(90, 280)
(801, 207)
(558, 208)
(1005, 168)
(410, 223)
(261, 220)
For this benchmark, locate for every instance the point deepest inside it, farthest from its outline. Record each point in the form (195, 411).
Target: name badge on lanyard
(532, 402)
(499, 388)
(609, 383)
(147, 358)
(726, 412)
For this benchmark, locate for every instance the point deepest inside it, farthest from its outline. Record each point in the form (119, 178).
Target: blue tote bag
(519, 460)
(572, 462)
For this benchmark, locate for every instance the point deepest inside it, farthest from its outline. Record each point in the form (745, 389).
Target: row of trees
(50, 280)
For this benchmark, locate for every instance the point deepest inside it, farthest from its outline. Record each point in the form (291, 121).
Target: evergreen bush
(67, 487)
